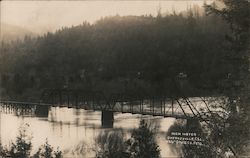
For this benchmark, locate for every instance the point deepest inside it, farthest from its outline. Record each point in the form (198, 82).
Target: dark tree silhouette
(142, 143)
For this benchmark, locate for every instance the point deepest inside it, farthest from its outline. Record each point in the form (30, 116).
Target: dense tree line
(140, 55)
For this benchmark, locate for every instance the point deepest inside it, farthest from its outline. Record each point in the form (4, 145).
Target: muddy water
(74, 130)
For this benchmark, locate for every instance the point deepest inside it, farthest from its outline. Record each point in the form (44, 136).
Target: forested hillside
(140, 55)
(11, 32)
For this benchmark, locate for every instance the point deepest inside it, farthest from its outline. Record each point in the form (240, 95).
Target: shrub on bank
(22, 148)
(141, 144)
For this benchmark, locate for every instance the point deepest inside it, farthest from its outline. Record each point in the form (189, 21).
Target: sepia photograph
(124, 78)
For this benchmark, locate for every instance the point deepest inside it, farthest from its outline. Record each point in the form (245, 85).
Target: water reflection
(75, 130)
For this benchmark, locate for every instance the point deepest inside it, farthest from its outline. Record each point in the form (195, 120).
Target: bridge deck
(180, 108)
(24, 103)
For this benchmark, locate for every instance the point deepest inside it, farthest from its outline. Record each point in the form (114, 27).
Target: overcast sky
(51, 15)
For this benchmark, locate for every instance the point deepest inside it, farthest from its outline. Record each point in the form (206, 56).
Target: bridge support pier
(107, 119)
(42, 111)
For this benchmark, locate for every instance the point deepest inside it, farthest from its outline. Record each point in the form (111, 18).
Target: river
(74, 130)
